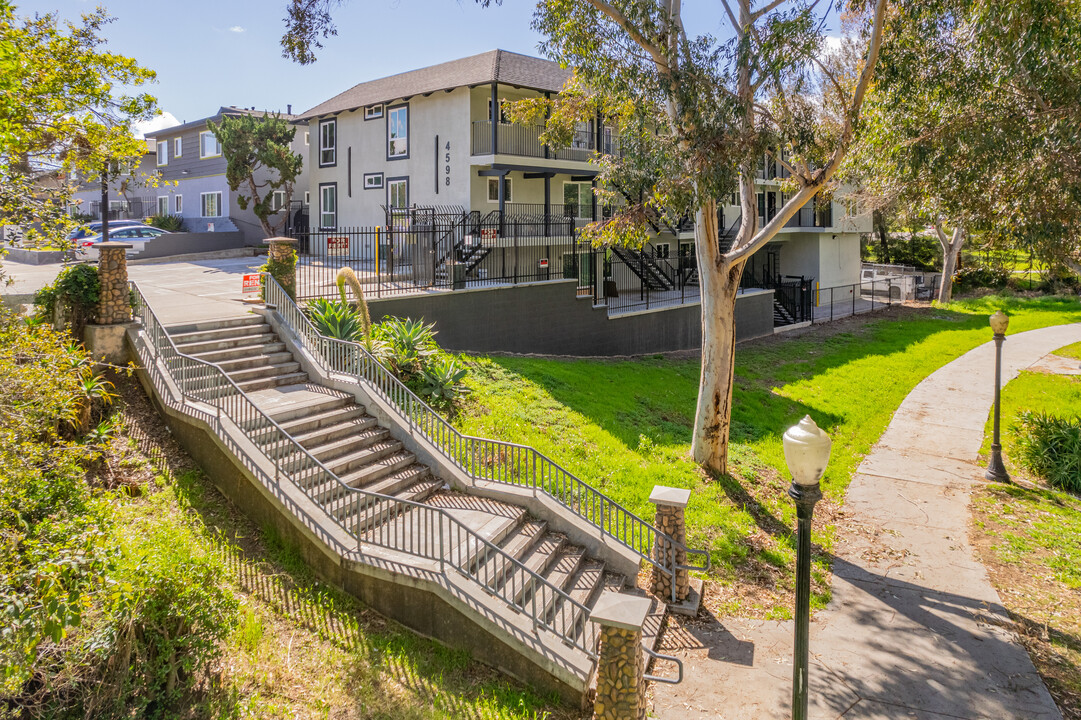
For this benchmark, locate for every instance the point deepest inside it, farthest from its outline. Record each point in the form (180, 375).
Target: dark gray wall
(547, 318)
(187, 243)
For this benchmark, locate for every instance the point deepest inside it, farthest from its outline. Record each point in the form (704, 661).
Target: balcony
(524, 141)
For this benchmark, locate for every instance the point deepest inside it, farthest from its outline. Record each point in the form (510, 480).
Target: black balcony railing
(524, 140)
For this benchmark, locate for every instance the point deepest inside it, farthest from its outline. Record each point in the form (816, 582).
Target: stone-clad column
(113, 306)
(621, 687)
(670, 520)
(281, 249)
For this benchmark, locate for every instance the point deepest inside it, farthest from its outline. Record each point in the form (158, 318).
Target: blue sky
(211, 53)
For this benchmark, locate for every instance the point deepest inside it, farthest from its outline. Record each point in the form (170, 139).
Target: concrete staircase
(336, 430)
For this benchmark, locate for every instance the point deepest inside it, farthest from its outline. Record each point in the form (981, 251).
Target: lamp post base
(996, 470)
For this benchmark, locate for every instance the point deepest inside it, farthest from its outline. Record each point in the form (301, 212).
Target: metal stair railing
(481, 458)
(430, 532)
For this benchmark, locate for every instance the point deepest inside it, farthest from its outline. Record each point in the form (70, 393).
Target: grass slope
(625, 426)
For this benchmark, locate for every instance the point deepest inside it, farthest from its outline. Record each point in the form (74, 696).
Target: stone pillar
(113, 308)
(670, 520)
(621, 687)
(281, 249)
(105, 338)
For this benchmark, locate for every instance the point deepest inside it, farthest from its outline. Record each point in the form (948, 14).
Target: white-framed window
(398, 192)
(277, 201)
(307, 137)
(373, 112)
(373, 181)
(502, 112)
(210, 204)
(328, 205)
(307, 197)
(178, 147)
(178, 202)
(328, 143)
(493, 189)
(662, 250)
(208, 145)
(398, 132)
(577, 199)
(163, 205)
(163, 153)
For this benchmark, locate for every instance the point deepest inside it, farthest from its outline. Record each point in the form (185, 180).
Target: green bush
(168, 223)
(970, 278)
(1050, 447)
(335, 319)
(76, 289)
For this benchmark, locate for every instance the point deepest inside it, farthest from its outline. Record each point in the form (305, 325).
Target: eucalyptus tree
(974, 124)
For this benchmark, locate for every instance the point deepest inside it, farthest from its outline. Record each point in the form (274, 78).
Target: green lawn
(1030, 540)
(1070, 351)
(624, 426)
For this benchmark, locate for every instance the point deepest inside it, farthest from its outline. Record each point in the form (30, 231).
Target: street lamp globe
(806, 451)
(999, 322)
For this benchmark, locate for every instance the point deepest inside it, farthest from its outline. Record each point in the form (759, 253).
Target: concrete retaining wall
(33, 257)
(188, 243)
(547, 318)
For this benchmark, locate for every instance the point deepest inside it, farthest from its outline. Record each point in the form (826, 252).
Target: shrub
(441, 381)
(284, 271)
(410, 344)
(970, 278)
(335, 319)
(1050, 447)
(169, 223)
(76, 290)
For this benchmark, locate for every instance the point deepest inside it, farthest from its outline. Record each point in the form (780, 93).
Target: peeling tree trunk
(951, 250)
(719, 284)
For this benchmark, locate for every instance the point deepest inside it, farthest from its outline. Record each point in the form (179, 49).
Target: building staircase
(645, 267)
(369, 484)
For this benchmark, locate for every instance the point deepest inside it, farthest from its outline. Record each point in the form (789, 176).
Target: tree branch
(762, 11)
(616, 16)
(732, 18)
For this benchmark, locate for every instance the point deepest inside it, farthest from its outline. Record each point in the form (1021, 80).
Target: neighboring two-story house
(131, 194)
(190, 161)
(438, 137)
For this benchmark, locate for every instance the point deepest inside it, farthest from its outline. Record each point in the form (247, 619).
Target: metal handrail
(445, 538)
(667, 658)
(480, 458)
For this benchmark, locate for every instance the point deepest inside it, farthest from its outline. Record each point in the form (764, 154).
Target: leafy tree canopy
(258, 157)
(60, 114)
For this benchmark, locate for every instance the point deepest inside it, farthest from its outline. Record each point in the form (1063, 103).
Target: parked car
(137, 236)
(94, 228)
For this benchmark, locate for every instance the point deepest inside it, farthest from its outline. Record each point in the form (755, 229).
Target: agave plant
(410, 343)
(441, 381)
(335, 319)
(92, 389)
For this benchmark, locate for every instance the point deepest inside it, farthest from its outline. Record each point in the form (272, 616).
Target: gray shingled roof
(493, 66)
(231, 110)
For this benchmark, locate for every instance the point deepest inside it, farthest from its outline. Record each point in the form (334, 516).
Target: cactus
(346, 276)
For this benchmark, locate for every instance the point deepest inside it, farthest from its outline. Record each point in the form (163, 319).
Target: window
(179, 203)
(307, 138)
(398, 132)
(493, 189)
(502, 111)
(398, 192)
(328, 205)
(662, 251)
(163, 204)
(211, 204)
(277, 201)
(373, 181)
(208, 145)
(577, 199)
(163, 153)
(373, 112)
(178, 147)
(307, 198)
(328, 143)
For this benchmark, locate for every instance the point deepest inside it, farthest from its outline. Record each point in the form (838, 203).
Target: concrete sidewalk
(915, 628)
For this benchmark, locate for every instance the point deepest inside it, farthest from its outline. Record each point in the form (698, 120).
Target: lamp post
(995, 469)
(806, 451)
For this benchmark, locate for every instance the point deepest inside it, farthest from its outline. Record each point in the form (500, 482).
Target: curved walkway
(915, 628)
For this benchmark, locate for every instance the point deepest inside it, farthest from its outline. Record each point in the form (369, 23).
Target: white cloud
(236, 29)
(165, 120)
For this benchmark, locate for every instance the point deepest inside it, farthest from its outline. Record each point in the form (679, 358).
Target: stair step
(330, 450)
(372, 523)
(244, 352)
(559, 574)
(264, 371)
(290, 413)
(354, 423)
(516, 586)
(208, 346)
(318, 418)
(566, 618)
(492, 571)
(331, 491)
(250, 319)
(221, 333)
(379, 468)
(253, 361)
(294, 378)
